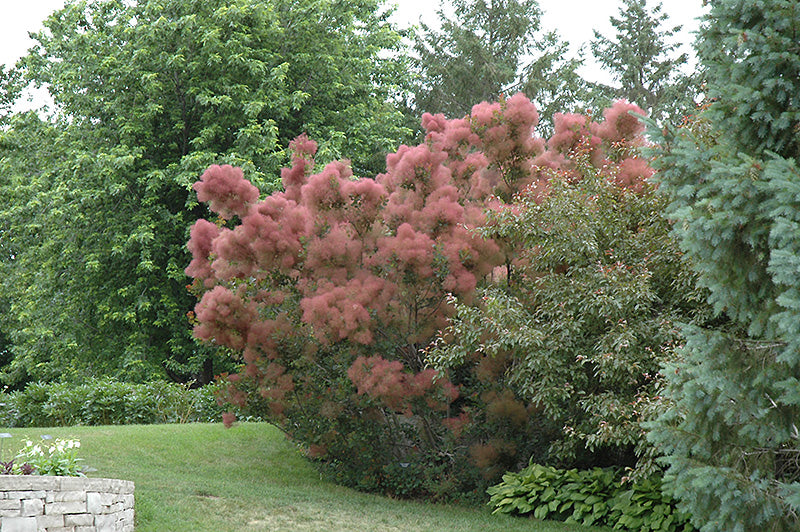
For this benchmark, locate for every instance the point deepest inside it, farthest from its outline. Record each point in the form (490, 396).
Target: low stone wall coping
(30, 503)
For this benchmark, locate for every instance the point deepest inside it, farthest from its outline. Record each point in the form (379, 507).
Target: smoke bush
(332, 292)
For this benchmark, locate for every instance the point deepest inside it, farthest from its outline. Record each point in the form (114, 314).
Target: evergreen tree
(552, 81)
(642, 61)
(492, 47)
(475, 55)
(731, 436)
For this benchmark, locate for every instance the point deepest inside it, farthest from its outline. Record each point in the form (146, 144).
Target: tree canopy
(475, 55)
(96, 201)
(487, 49)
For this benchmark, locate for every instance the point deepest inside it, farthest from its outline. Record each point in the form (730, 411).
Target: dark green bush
(590, 497)
(108, 402)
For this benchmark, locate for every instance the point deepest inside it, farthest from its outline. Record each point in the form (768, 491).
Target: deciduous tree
(331, 290)
(96, 200)
(9, 91)
(332, 293)
(592, 293)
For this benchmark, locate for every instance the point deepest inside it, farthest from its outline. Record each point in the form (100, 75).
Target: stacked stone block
(65, 504)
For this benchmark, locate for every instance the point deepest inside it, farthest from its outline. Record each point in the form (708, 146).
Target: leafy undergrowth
(202, 477)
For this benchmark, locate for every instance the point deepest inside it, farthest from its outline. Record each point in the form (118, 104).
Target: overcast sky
(573, 19)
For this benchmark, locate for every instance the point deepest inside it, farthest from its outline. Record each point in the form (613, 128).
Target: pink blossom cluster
(397, 389)
(226, 190)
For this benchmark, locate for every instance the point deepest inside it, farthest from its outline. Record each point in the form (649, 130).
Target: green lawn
(202, 477)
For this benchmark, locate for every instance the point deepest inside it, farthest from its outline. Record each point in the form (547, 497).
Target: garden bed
(30, 503)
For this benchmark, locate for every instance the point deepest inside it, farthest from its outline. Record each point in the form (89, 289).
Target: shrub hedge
(108, 402)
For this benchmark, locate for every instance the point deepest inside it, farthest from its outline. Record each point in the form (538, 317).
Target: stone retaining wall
(31, 503)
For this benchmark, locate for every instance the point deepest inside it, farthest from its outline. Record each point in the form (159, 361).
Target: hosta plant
(598, 496)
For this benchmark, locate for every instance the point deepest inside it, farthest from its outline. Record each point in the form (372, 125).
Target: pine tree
(494, 47)
(550, 78)
(475, 55)
(731, 437)
(643, 63)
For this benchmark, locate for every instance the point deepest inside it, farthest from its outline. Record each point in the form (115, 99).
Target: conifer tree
(475, 55)
(731, 436)
(551, 79)
(493, 47)
(642, 61)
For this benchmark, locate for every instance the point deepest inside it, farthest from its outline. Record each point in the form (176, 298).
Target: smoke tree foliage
(641, 57)
(588, 308)
(331, 293)
(97, 199)
(731, 437)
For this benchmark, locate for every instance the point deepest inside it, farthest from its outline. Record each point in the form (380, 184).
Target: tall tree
(494, 47)
(550, 78)
(731, 438)
(96, 201)
(8, 94)
(475, 55)
(642, 61)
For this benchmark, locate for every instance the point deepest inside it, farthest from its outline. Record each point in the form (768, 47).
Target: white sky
(573, 19)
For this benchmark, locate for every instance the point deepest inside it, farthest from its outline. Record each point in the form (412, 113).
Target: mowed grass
(205, 478)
